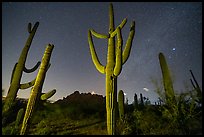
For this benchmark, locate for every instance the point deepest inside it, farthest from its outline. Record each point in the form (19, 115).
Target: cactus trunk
(115, 59)
(37, 88)
(18, 71)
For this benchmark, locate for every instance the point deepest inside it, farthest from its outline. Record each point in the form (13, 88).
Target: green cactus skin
(115, 59)
(121, 104)
(196, 87)
(18, 71)
(168, 85)
(36, 91)
(18, 121)
(45, 96)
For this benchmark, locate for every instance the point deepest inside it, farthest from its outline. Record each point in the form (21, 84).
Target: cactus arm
(98, 35)
(28, 42)
(194, 79)
(47, 95)
(32, 69)
(120, 26)
(14, 68)
(193, 83)
(27, 85)
(94, 56)
(118, 64)
(111, 18)
(29, 27)
(126, 51)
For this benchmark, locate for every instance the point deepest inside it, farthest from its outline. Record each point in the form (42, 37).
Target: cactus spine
(36, 91)
(168, 85)
(115, 59)
(121, 104)
(18, 71)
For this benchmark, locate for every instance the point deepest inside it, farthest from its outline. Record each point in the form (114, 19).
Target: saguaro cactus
(168, 85)
(37, 88)
(135, 101)
(115, 59)
(141, 100)
(121, 104)
(18, 71)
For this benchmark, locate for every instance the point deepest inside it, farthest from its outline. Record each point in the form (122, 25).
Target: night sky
(172, 28)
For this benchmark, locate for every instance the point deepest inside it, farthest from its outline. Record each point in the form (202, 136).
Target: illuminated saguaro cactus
(115, 59)
(167, 82)
(36, 92)
(18, 71)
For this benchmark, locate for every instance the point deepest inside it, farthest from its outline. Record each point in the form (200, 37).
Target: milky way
(172, 28)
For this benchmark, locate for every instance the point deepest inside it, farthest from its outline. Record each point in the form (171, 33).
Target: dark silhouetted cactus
(141, 100)
(121, 104)
(196, 87)
(135, 101)
(168, 85)
(115, 59)
(18, 71)
(36, 93)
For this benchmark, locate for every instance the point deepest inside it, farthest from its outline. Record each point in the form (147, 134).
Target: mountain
(82, 104)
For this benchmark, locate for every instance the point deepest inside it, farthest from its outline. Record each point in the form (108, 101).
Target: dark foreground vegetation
(85, 114)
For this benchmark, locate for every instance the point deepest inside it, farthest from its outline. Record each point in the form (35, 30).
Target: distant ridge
(78, 97)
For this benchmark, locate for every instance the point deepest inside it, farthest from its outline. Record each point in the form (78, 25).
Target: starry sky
(174, 28)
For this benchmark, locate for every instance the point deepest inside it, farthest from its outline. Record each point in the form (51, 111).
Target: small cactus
(135, 101)
(121, 104)
(141, 100)
(18, 121)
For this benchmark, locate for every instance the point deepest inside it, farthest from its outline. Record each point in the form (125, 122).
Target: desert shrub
(126, 126)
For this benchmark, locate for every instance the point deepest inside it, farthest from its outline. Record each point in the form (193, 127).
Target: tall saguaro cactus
(115, 59)
(36, 91)
(168, 84)
(18, 71)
